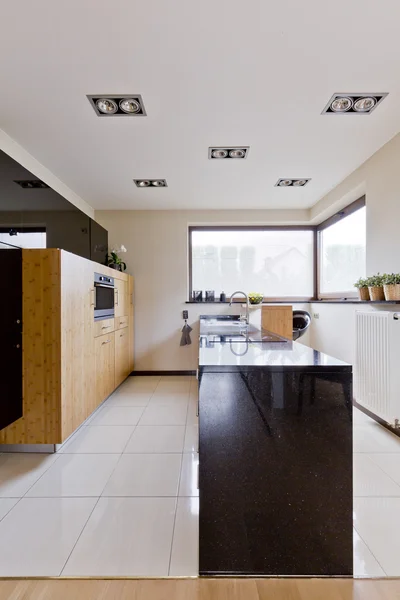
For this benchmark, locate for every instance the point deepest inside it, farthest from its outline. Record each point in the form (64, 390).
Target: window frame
(338, 216)
(266, 299)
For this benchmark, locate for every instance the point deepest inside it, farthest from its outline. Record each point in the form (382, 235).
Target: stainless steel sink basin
(230, 329)
(226, 327)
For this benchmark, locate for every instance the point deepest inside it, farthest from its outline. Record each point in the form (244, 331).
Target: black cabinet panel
(11, 319)
(98, 243)
(33, 209)
(275, 473)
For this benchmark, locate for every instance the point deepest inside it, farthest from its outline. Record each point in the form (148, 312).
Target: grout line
(358, 533)
(176, 510)
(57, 456)
(79, 536)
(18, 500)
(387, 475)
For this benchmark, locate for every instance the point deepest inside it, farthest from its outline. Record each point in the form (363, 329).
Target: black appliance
(104, 296)
(11, 357)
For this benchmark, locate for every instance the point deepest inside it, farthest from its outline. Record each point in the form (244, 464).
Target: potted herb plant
(391, 286)
(114, 261)
(362, 286)
(375, 287)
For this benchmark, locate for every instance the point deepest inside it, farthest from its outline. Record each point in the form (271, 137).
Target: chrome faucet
(246, 319)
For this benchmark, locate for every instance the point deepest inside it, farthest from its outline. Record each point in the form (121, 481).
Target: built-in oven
(104, 296)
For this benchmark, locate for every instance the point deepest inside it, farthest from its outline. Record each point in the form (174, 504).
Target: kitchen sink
(228, 328)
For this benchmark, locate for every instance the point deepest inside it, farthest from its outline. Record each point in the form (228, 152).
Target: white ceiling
(216, 72)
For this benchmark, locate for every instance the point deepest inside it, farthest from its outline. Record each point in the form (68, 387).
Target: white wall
(334, 332)
(378, 178)
(157, 257)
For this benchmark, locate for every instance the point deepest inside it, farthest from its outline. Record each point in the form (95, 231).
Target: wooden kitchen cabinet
(105, 366)
(121, 298)
(131, 322)
(122, 369)
(67, 369)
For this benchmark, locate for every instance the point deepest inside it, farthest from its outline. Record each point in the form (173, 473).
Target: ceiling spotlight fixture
(228, 152)
(117, 105)
(292, 182)
(145, 183)
(129, 105)
(106, 106)
(219, 153)
(341, 104)
(237, 154)
(365, 104)
(32, 184)
(353, 103)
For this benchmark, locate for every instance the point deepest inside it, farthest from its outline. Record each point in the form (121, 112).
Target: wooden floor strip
(200, 589)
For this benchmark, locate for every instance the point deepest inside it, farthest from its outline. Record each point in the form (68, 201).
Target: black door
(11, 317)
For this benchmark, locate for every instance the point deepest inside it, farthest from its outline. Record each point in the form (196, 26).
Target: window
(277, 262)
(22, 237)
(341, 251)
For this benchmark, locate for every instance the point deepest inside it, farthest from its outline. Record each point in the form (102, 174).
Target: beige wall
(157, 257)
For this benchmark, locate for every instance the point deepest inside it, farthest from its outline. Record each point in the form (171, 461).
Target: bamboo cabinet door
(105, 367)
(131, 324)
(122, 369)
(121, 297)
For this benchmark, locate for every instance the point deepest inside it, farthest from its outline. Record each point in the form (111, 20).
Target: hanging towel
(185, 339)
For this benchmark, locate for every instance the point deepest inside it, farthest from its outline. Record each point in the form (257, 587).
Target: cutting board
(278, 319)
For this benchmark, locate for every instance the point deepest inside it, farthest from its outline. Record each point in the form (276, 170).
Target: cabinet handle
(122, 334)
(107, 342)
(106, 326)
(93, 291)
(117, 297)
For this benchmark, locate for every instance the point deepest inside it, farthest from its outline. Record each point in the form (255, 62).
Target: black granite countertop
(274, 356)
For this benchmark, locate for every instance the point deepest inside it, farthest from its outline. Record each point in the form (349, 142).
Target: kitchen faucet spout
(247, 318)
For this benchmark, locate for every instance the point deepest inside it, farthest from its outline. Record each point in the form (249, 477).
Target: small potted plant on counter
(375, 287)
(114, 261)
(391, 286)
(362, 286)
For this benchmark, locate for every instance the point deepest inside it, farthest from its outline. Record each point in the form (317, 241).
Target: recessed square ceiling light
(292, 182)
(31, 184)
(146, 183)
(228, 152)
(359, 104)
(108, 105)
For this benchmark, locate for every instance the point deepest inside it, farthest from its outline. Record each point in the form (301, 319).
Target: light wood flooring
(201, 589)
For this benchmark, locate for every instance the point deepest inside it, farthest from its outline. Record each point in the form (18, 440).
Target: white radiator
(377, 364)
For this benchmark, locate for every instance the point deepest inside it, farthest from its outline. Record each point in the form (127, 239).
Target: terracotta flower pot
(363, 293)
(376, 293)
(392, 291)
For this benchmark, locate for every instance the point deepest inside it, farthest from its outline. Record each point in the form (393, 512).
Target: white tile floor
(376, 499)
(120, 498)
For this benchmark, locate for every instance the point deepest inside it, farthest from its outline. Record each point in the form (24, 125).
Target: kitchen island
(275, 464)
